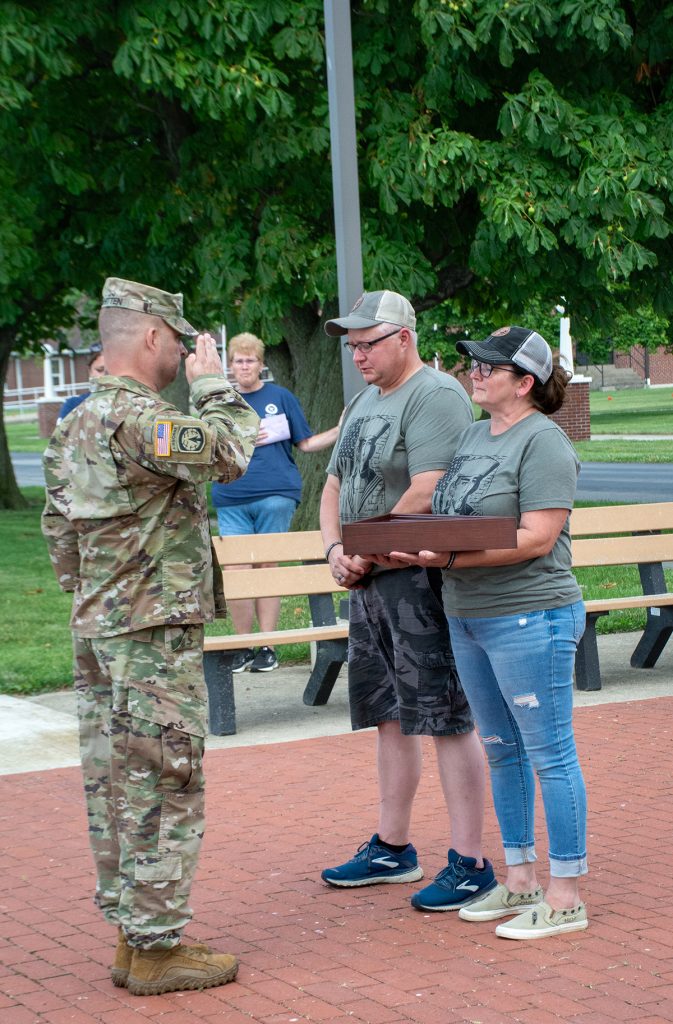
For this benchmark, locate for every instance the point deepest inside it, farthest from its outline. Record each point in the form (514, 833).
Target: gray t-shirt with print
(387, 439)
(529, 467)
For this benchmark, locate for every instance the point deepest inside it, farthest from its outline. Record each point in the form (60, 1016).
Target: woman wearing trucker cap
(516, 617)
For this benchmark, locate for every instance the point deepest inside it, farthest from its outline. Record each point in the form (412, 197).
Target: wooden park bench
(309, 575)
(598, 539)
(601, 535)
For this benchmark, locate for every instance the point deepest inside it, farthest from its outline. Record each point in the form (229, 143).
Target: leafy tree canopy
(506, 149)
(509, 151)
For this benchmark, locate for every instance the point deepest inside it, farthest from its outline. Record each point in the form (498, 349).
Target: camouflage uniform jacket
(126, 518)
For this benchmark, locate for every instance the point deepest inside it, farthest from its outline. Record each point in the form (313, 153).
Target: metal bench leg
(330, 656)
(587, 667)
(220, 683)
(658, 629)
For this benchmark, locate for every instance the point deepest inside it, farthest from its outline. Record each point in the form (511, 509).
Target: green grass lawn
(624, 451)
(24, 437)
(632, 411)
(35, 646)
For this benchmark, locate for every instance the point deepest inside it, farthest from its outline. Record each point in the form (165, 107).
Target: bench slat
(270, 547)
(275, 637)
(615, 604)
(621, 518)
(621, 550)
(279, 581)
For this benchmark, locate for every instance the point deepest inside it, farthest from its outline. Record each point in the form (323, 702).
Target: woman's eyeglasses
(486, 369)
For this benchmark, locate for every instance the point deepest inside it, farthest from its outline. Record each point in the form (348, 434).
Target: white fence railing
(26, 399)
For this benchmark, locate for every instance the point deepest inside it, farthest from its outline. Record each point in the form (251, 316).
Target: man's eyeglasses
(486, 369)
(366, 346)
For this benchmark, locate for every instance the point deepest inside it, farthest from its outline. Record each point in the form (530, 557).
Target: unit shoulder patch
(188, 440)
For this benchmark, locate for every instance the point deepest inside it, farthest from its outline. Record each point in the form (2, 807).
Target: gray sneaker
(541, 921)
(242, 659)
(265, 660)
(500, 902)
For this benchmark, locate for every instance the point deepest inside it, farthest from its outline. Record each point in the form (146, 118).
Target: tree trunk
(308, 363)
(10, 495)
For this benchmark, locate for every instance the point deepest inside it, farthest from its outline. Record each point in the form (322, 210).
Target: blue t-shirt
(272, 470)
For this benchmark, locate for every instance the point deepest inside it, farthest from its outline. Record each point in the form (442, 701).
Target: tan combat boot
(155, 971)
(124, 955)
(122, 961)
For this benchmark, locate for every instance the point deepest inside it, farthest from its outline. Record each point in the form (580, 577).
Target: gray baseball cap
(374, 308)
(144, 299)
(516, 345)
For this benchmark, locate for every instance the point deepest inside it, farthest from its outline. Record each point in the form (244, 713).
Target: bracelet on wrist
(452, 558)
(334, 544)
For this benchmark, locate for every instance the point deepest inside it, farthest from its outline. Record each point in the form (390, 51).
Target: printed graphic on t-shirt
(460, 491)
(359, 466)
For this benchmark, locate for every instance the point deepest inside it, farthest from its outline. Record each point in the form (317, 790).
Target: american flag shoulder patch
(162, 437)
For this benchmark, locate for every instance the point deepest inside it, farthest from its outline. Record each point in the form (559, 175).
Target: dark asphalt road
(626, 481)
(28, 469)
(599, 481)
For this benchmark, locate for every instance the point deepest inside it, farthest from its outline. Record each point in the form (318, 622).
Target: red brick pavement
(276, 815)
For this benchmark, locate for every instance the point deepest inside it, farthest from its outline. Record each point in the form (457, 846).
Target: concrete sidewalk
(38, 733)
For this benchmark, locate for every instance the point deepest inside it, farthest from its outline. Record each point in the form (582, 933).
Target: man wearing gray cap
(127, 528)
(397, 439)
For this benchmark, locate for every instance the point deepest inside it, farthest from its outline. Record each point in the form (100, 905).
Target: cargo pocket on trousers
(158, 869)
(181, 762)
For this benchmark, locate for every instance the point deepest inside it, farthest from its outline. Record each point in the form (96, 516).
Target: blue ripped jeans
(517, 672)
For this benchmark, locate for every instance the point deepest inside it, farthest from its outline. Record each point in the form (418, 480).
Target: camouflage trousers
(142, 720)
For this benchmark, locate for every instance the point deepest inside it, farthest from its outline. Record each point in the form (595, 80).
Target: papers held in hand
(277, 429)
(413, 533)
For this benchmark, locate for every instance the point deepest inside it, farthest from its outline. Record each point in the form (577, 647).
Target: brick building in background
(655, 367)
(25, 383)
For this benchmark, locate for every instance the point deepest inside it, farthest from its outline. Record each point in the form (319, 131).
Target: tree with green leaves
(508, 151)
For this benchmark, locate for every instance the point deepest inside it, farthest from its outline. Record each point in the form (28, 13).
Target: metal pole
(339, 53)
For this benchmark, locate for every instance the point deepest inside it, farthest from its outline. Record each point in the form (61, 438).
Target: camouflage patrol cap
(144, 299)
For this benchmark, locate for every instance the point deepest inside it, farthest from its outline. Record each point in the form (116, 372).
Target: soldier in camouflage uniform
(397, 438)
(128, 532)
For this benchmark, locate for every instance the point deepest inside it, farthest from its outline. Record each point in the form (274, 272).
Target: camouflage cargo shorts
(400, 662)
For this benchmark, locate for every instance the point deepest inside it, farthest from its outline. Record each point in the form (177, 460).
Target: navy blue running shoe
(373, 864)
(457, 885)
